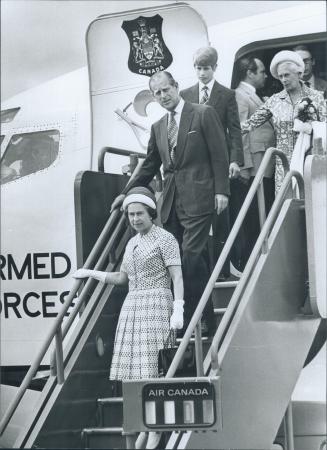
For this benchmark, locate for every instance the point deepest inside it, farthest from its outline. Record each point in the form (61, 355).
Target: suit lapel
(163, 135)
(252, 95)
(258, 102)
(256, 99)
(214, 94)
(184, 126)
(194, 90)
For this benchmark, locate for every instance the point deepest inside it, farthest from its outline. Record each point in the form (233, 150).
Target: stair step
(104, 437)
(220, 311)
(110, 400)
(225, 284)
(86, 384)
(222, 293)
(103, 430)
(71, 414)
(110, 411)
(59, 439)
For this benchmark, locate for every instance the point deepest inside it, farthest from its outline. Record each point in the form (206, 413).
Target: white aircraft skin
(37, 217)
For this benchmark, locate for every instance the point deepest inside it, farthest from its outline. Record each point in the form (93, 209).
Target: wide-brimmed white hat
(140, 194)
(285, 56)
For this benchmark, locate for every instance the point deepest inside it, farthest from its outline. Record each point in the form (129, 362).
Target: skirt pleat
(142, 329)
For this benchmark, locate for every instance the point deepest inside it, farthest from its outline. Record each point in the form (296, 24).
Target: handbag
(186, 366)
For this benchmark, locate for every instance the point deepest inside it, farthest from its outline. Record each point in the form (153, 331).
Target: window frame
(18, 133)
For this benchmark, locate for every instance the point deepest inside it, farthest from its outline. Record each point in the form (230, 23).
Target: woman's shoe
(153, 440)
(141, 440)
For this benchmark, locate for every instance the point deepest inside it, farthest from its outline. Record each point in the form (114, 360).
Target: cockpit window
(7, 115)
(28, 153)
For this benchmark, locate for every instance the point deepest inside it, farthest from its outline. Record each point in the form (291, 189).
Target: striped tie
(205, 96)
(172, 135)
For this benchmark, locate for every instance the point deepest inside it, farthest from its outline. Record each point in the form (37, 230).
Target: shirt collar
(180, 106)
(249, 86)
(178, 111)
(311, 80)
(284, 94)
(209, 86)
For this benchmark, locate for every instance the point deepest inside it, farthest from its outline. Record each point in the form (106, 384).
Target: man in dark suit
(208, 91)
(252, 73)
(189, 143)
(309, 78)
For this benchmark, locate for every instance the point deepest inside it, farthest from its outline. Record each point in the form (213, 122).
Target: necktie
(172, 135)
(205, 96)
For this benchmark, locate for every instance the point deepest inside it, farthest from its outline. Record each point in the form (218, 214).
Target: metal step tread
(192, 339)
(106, 400)
(225, 284)
(219, 311)
(103, 430)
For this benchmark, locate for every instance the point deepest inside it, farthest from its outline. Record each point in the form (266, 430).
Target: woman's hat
(285, 56)
(140, 194)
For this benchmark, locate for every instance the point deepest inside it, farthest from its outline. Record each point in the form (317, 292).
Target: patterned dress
(143, 324)
(280, 109)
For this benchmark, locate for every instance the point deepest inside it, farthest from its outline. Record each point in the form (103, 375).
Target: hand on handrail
(117, 202)
(96, 274)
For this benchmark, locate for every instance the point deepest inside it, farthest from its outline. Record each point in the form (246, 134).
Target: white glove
(85, 273)
(81, 273)
(304, 127)
(176, 319)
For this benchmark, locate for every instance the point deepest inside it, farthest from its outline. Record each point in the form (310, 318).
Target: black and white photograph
(163, 251)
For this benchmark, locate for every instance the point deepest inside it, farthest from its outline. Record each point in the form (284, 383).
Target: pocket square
(191, 132)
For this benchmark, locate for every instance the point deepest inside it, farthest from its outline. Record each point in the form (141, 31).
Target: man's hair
(244, 64)
(205, 56)
(302, 47)
(158, 75)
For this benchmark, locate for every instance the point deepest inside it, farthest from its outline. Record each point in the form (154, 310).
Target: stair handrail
(271, 152)
(67, 324)
(284, 189)
(55, 330)
(116, 151)
(134, 156)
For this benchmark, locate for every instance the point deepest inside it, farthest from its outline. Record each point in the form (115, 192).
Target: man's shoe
(222, 277)
(235, 271)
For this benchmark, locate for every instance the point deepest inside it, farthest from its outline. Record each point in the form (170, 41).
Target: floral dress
(280, 109)
(143, 324)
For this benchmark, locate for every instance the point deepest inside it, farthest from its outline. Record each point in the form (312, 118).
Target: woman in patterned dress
(151, 261)
(282, 108)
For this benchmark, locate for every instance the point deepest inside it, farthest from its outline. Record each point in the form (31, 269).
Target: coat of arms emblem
(148, 51)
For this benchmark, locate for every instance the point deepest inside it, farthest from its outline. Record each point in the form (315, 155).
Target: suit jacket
(320, 85)
(223, 101)
(256, 142)
(200, 169)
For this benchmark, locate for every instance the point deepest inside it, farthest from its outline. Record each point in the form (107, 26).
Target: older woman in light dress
(282, 108)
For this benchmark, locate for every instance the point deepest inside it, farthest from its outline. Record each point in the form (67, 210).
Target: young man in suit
(252, 73)
(189, 143)
(309, 78)
(208, 91)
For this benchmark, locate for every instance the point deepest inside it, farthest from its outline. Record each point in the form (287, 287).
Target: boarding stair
(259, 325)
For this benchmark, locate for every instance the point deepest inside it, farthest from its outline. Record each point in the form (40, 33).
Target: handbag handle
(170, 342)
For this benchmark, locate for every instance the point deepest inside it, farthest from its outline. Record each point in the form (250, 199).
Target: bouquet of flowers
(307, 112)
